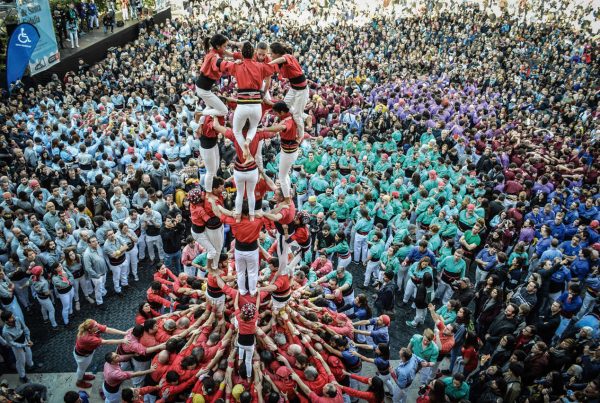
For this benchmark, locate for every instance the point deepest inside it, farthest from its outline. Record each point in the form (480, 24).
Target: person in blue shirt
(485, 260)
(571, 303)
(580, 267)
(405, 373)
(379, 332)
(417, 253)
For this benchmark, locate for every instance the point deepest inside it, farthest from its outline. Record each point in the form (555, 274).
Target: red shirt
(283, 286)
(291, 70)
(211, 63)
(301, 235)
(245, 231)
(248, 327)
(198, 214)
(86, 344)
(288, 214)
(248, 74)
(261, 189)
(288, 136)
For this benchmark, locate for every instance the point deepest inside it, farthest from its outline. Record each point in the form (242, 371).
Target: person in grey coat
(94, 264)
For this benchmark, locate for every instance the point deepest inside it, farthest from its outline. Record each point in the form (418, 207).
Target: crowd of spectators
(453, 154)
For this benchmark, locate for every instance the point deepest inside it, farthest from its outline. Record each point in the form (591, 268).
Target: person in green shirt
(301, 186)
(435, 241)
(311, 164)
(313, 207)
(318, 183)
(456, 387)
(376, 250)
(467, 218)
(340, 249)
(471, 240)
(383, 211)
(451, 230)
(423, 346)
(415, 275)
(451, 269)
(361, 229)
(426, 217)
(446, 313)
(326, 199)
(341, 209)
(389, 260)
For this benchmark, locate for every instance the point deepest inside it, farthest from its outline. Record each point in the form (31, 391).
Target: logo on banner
(21, 45)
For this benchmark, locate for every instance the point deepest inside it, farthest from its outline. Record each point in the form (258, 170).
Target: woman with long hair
(144, 313)
(375, 393)
(210, 73)
(341, 249)
(86, 343)
(40, 285)
(74, 264)
(298, 95)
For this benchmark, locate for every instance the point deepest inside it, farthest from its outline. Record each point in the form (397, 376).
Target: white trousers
(212, 241)
(258, 158)
(132, 262)
(243, 113)
(125, 13)
(296, 100)
(23, 357)
(211, 163)
(111, 397)
(99, 288)
(155, 241)
(245, 181)
(398, 395)
(285, 165)
(444, 292)
(361, 248)
(344, 262)
(420, 316)
(74, 38)
(246, 265)
(82, 364)
(48, 312)
(214, 106)
(402, 277)
(245, 353)
(66, 301)
(372, 271)
(283, 251)
(119, 275)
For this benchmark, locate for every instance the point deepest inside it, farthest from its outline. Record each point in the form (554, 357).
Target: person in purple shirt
(419, 252)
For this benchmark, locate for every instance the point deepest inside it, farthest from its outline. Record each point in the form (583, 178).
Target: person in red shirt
(290, 142)
(156, 296)
(209, 149)
(246, 320)
(245, 171)
(301, 233)
(87, 341)
(210, 73)
(282, 215)
(298, 95)
(331, 392)
(249, 75)
(211, 238)
(165, 276)
(264, 184)
(197, 213)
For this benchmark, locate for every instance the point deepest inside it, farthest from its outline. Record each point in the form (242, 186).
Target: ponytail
(247, 50)
(279, 48)
(216, 41)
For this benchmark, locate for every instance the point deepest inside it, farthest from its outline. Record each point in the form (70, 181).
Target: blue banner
(37, 13)
(21, 45)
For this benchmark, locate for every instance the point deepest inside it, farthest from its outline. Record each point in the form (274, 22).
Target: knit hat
(385, 319)
(195, 196)
(595, 224)
(248, 311)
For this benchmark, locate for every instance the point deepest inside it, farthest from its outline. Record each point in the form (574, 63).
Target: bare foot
(238, 218)
(251, 218)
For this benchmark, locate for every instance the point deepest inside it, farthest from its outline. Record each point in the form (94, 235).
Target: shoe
(35, 366)
(410, 323)
(24, 379)
(55, 329)
(84, 385)
(88, 377)
(77, 306)
(136, 278)
(102, 394)
(90, 300)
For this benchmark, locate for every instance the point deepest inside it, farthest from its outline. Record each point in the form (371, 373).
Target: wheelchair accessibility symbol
(23, 37)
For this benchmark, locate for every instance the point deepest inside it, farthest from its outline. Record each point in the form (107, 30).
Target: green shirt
(471, 238)
(452, 266)
(325, 200)
(346, 280)
(453, 393)
(363, 225)
(447, 316)
(342, 211)
(428, 353)
(312, 209)
(310, 167)
(377, 250)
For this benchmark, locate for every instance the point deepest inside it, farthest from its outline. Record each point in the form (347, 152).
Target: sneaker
(136, 278)
(410, 323)
(88, 377)
(77, 306)
(90, 300)
(83, 384)
(24, 379)
(102, 394)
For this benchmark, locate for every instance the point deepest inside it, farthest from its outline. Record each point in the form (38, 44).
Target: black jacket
(385, 297)
(171, 238)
